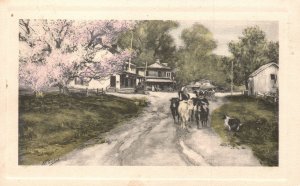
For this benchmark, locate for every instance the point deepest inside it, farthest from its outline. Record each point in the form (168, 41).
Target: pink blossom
(35, 76)
(55, 51)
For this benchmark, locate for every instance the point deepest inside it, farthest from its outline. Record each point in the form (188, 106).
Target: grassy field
(56, 124)
(259, 130)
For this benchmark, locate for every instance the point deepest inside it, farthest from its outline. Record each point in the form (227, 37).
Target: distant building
(128, 78)
(203, 84)
(158, 76)
(125, 80)
(264, 80)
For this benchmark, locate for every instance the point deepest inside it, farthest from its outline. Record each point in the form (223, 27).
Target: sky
(225, 31)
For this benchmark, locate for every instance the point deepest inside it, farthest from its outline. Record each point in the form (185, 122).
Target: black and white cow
(233, 124)
(174, 108)
(202, 112)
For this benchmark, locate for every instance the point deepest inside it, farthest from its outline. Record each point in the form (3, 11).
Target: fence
(79, 91)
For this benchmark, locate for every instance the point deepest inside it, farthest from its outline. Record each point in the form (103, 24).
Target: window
(159, 73)
(152, 73)
(78, 81)
(168, 74)
(274, 77)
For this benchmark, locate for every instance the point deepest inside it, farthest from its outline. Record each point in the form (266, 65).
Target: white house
(126, 79)
(92, 84)
(264, 80)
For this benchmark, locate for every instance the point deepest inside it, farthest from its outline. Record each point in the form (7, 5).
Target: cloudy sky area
(225, 31)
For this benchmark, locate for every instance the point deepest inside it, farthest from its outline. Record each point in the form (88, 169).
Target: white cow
(184, 111)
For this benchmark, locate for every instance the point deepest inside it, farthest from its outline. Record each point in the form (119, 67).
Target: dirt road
(154, 139)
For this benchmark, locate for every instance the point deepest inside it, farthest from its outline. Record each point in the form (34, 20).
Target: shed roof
(262, 68)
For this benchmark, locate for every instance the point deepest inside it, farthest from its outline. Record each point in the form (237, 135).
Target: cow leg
(206, 122)
(176, 114)
(186, 123)
(173, 115)
(197, 119)
(181, 122)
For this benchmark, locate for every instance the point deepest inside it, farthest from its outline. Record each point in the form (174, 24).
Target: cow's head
(174, 102)
(174, 99)
(225, 116)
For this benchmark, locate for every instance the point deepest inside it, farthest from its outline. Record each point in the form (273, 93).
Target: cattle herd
(185, 109)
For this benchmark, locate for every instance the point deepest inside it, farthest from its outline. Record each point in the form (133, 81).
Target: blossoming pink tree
(63, 49)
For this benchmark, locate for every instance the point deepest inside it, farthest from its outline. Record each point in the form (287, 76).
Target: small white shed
(264, 80)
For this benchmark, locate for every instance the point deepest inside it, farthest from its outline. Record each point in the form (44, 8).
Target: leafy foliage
(196, 58)
(251, 51)
(151, 40)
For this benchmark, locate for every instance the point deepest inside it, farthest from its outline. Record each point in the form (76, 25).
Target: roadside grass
(54, 125)
(259, 130)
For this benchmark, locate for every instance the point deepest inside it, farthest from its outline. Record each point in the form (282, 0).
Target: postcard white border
(282, 11)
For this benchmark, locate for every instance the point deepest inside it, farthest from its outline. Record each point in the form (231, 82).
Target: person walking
(183, 94)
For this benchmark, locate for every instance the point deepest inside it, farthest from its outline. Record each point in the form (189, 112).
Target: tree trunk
(66, 90)
(63, 90)
(60, 90)
(246, 83)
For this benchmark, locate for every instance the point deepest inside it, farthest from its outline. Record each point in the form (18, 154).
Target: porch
(160, 84)
(126, 82)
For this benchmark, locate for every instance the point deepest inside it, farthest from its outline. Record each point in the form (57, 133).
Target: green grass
(259, 130)
(54, 125)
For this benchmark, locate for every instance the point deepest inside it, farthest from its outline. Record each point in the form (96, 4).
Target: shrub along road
(153, 139)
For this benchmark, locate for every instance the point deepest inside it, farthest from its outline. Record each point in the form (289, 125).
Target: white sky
(225, 31)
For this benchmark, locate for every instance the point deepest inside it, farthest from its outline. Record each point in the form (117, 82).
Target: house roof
(156, 65)
(102, 54)
(159, 80)
(131, 64)
(132, 74)
(262, 68)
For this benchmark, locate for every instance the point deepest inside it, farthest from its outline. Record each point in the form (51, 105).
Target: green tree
(273, 52)
(151, 40)
(250, 52)
(195, 59)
